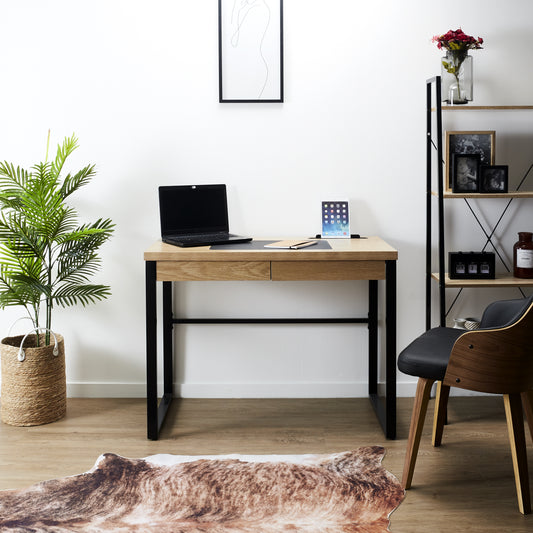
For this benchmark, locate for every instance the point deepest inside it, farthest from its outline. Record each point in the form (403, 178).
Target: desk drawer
(327, 270)
(213, 270)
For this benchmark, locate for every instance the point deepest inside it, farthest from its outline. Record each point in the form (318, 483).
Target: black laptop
(195, 215)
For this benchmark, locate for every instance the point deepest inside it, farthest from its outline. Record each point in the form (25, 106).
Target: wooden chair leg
(423, 390)
(441, 407)
(527, 404)
(517, 438)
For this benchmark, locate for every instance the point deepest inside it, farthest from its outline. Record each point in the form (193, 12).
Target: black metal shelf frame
(433, 87)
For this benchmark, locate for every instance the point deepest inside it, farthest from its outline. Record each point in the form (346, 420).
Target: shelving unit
(434, 116)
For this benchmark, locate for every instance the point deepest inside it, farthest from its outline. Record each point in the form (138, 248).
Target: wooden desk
(369, 259)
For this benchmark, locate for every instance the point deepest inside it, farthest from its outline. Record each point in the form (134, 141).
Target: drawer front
(327, 270)
(213, 270)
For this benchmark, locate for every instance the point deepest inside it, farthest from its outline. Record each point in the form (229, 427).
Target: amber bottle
(523, 255)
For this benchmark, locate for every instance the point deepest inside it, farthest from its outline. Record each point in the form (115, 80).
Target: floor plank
(465, 485)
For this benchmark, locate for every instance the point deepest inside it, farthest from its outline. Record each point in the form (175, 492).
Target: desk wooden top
(364, 249)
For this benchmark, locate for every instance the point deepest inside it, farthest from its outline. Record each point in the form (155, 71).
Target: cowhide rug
(343, 492)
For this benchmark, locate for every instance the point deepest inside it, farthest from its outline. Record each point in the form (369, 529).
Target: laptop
(195, 215)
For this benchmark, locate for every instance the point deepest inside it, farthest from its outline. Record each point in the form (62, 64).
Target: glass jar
(457, 78)
(523, 255)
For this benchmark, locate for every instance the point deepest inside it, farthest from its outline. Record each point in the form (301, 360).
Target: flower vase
(457, 80)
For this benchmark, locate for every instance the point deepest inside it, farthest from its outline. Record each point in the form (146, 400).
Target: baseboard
(272, 390)
(222, 390)
(105, 390)
(244, 390)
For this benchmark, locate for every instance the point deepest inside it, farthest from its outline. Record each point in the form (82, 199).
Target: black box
(471, 265)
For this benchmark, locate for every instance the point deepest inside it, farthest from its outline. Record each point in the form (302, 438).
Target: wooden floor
(465, 485)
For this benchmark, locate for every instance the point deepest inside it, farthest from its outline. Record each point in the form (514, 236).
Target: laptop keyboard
(204, 237)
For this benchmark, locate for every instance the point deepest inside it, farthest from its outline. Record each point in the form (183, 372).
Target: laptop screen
(193, 209)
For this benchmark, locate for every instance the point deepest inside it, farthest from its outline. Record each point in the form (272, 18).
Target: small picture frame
(467, 142)
(465, 173)
(494, 179)
(471, 265)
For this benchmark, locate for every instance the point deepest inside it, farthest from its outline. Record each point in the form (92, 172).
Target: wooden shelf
(467, 107)
(500, 281)
(515, 194)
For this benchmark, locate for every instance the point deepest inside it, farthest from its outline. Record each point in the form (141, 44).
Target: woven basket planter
(34, 391)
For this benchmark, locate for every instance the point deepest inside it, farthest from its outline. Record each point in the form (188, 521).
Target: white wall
(137, 81)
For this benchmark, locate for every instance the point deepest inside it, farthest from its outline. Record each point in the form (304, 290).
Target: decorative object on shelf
(494, 179)
(471, 265)
(457, 77)
(465, 172)
(250, 51)
(459, 323)
(468, 142)
(523, 255)
(472, 323)
(466, 323)
(456, 66)
(46, 261)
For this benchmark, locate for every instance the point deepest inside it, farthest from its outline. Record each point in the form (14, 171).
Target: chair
(496, 358)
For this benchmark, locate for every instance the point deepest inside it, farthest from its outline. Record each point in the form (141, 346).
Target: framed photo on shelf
(465, 175)
(494, 178)
(250, 51)
(480, 143)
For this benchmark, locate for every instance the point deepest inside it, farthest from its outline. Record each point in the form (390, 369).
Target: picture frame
(465, 175)
(468, 142)
(494, 179)
(250, 51)
(471, 265)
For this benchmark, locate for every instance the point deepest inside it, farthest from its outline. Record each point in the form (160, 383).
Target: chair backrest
(504, 312)
(496, 360)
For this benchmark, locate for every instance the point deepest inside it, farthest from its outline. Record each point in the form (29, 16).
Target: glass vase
(456, 77)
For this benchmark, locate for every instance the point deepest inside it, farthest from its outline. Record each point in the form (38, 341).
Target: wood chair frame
(497, 361)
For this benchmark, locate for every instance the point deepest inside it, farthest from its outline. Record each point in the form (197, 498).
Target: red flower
(457, 40)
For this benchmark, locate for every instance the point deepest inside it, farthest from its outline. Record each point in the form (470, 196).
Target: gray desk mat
(260, 245)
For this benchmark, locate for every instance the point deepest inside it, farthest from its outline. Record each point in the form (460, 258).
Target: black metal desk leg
(372, 337)
(151, 350)
(390, 325)
(168, 345)
(385, 411)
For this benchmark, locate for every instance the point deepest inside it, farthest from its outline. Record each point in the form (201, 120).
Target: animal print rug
(343, 492)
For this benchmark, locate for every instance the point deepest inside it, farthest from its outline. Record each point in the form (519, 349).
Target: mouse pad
(260, 245)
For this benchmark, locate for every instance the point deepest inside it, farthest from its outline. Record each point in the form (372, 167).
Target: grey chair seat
(428, 355)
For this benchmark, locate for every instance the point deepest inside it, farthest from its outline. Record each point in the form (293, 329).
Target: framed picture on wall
(494, 179)
(481, 143)
(465, 176)
(250, 51)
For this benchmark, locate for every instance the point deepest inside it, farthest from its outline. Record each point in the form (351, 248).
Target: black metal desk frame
(385, 410)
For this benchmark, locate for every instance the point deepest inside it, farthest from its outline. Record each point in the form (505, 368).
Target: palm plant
(46, 258)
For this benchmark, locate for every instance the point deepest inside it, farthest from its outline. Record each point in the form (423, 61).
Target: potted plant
(46, 260)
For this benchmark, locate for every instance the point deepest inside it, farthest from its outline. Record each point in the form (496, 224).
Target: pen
(302, 244)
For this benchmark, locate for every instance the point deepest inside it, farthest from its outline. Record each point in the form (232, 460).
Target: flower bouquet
(457, 65)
